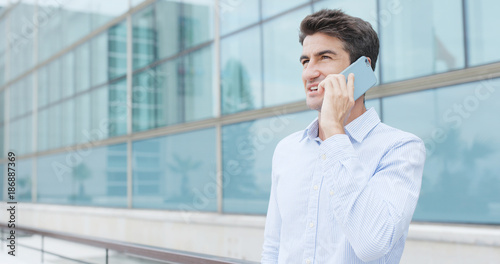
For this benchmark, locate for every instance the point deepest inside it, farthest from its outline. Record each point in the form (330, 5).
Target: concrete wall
(241, 236)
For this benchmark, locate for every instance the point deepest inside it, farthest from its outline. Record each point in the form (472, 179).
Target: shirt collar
(358, 129)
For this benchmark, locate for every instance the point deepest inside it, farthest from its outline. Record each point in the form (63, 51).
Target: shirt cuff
(335, 149)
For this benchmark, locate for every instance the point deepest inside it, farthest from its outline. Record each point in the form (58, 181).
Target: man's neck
(356, 112)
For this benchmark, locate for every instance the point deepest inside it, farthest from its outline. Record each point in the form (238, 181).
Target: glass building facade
(178, 105)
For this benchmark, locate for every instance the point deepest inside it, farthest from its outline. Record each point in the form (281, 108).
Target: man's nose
(310, 72)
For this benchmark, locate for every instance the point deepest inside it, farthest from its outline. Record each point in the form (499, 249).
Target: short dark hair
(358, 36)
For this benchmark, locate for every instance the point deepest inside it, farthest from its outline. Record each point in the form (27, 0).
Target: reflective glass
(236, 14)
(117, 105)
(63, 23)
(82, 110)
(82, 68)
(273, 7)
(117, 51)
(20, 136)
(144, 36)
(3, 170)
(43, 130)
(167, 27)
(241, 71)
(54, 81)
(176, 172)
(461, 174)
(20, 39)
(412, 47)
(54, 126)
(482, 22)
(375, 103)
(87, 176)
(247, 150)
(282, 70)
(99, 52)
(21, 97)
(23, 180)
(43, 86)
(67, 120)
(3, 49)
(177, 91)
(68, 75)
(99, 112)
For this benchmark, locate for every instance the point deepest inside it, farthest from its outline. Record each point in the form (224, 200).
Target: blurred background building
(155, 121)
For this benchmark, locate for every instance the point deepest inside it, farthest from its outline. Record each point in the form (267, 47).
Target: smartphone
(364, 77)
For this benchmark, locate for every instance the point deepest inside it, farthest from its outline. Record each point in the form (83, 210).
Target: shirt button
(308, 261)
(323, 157)
(331, 192)
(311, 225)
(315, 187)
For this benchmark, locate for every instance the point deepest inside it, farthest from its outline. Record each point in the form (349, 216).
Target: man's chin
(314, 105)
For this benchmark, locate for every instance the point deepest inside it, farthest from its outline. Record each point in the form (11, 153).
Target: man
(344, 189)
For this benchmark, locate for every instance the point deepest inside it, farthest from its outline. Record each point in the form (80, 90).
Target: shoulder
(289, 141)
(394, 137)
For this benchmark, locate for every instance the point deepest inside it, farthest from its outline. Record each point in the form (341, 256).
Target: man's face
(321, 55)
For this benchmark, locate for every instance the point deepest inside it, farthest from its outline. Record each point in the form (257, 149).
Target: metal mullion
(464, 25)
(129, 105)
(34, 175)
(218, 107)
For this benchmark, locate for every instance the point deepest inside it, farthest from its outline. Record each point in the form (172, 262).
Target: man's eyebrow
(323, 52)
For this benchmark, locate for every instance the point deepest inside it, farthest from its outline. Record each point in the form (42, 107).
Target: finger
(350, 86)
(343, 85)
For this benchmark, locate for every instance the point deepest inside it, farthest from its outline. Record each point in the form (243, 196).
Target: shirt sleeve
(273, 228)
(374, 211)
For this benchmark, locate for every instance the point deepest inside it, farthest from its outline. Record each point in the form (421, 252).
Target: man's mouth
(314, 88)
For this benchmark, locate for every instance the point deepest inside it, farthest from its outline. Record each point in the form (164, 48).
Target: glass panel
(482, 21)
(20, 38)
(241, 71)
(43, 86)
(273, 7)
(247, 150)
(3, 45)
(50, 38)
(375, 103)
(82, 68)
(99, 114)
(176, 172)
(23, 180)
(411, 46)
(144, 36)
(54, 71)
(461, 179)
(82, 110)
(178, 91)
(20, 136)
(118, 108)
(54, 126)
(76, 20)
(43, 130)
(105, 11)
(117, 50)
(282, 70)
(99, 59)
(87, 176)
(167, 27)
(3, 170)
(68, 75)
(235, 14)
(68, 123)
(196, 22)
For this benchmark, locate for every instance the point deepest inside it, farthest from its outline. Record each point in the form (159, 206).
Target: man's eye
(304, 62)
(325, 57)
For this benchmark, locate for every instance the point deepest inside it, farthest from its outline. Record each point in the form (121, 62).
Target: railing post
(106, 256)
(42, 249)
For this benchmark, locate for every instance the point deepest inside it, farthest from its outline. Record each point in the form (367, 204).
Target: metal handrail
(156, 253)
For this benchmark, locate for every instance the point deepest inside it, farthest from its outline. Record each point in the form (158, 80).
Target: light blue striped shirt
(348, 199)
